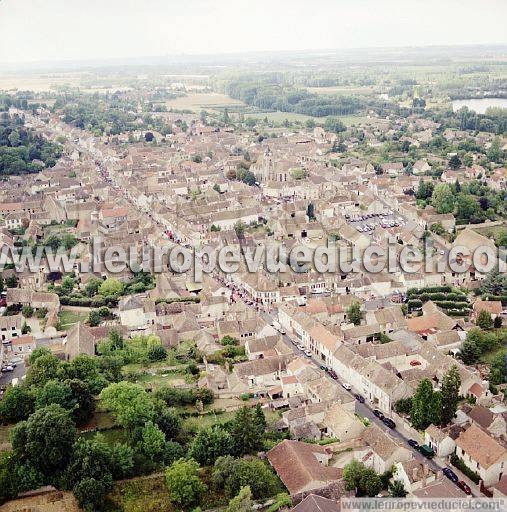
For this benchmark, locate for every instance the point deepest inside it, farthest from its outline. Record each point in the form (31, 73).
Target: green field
(67, 319)
(203, 101)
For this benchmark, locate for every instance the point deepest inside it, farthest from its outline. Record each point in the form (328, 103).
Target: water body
(479, 105)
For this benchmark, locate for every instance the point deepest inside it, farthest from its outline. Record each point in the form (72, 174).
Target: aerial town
(126, 387)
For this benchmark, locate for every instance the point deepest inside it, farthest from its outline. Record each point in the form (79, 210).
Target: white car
(300, 346)
(347, 386)
(308, 353)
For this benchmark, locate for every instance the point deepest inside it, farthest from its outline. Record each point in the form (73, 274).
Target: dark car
(378, 414)
(413, 443)
(359, 398)
(388, 422)
(332, 374)
(323, 367)
(450, 474)
(464, 487)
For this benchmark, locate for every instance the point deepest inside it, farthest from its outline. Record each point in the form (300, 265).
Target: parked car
(332, 374)
(426, 450)
(388, 422)
(7, 369)
(378, 414)
(347, 386)
(415, 362)
(359, 398)
(323, 367)
(464, 487)
(450, 474)
(413, 443)
(308, 353)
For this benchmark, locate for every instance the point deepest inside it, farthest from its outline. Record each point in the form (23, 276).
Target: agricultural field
(40, 82)
(203, 101)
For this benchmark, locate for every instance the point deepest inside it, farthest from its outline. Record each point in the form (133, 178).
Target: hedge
(458, 463)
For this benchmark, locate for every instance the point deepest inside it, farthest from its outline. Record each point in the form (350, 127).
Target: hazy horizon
(70, 31)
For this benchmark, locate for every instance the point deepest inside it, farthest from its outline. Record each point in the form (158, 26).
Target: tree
(484, 320)
(498, 369)
(425, 190)
(111, 288)
(245, 432)
(469, 352)
(17, 404)
(55, 392)
(157, 353)
(425, 405)
(451, 383)
(68, 284)
(209, 444)
(442, 198)
(46, 439)
(454, 162)
(362, 480)
(494, 153)
(94, 318)
(153, 441)
(27, 311)
(397, 489)
(44, 369)
(242, 502)
(310, 211)
(11, 281)
(466, 207)
(183, 482)
(169, 422)
(92, 286)
(36, 353)
(260, 419)
(494, 283)
(333, 124)
(229, 341)
(129, 403)
(354, 313)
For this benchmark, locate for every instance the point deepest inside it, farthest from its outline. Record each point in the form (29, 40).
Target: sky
(56, 30)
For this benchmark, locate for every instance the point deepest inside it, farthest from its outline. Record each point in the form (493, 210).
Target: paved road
(19, 371)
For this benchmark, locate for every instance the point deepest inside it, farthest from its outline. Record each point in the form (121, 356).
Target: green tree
(209, 444)
(111, 288)
(454, 162)
(92, 286)
(55, 392)
(424, 405)
(364, 481)
(43, 369)
(498, 369)
(469, 352)
(17, 404)
(27, 311)
(242, 502)
(495, 283)
(494, 153)
(46, 439)
(153, 441)
(451, 383)
(37, 352)
(68, 284)
(130, 404)
(183, 482)
(397, 489)
(333, 124)
(484, 320)
(443, 198)
(245, 432)
(94, 318)
(354, 313)
(310, 211)
(90, 493)
(169, 422)
(157, 353)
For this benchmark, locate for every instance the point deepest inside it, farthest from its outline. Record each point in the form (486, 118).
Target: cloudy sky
(42, 30)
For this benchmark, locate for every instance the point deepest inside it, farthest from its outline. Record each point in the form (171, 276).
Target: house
(131, 311)
(23, 345)
(439, 440)
(303, 467)
(414, 474)
(494, 423)
(10, 326)
(482, 453)
(493, 307)
(316, 503)
(382, 450)
(80, 340)
(341, 424)
(442, 487)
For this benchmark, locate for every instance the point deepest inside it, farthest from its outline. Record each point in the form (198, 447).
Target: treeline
(22, 151)
(493, 121)
(272, 96)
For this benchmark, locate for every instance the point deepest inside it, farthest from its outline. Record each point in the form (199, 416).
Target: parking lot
(366, 223)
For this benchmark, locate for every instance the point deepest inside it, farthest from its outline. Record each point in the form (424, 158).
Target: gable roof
(315, 503)
(480, 446)
(298, 467)
(80, 340)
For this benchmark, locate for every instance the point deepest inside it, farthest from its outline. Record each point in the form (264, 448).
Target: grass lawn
(111, 436)
(67, 319)
(488, 357)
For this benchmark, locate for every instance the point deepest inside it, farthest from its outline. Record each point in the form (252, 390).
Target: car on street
(413, 443)
(378, 414)
(308, 353)
(7, 369)
(346, 386)
(332, 374)
(450, 474)
(359, 398)
(388, 422)
(464, 487)
(426, 450)
(323, 367)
